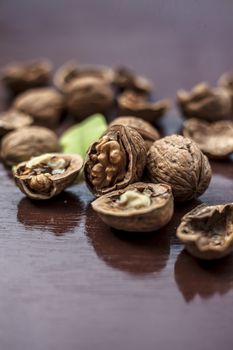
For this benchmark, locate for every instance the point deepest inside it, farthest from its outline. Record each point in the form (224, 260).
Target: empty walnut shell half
(138, 207)
(45, 176)
(131, 103)
(22, 144)
(126, 79)
(20, 76)
(179, 162)
(207, 231)
(12, 120)
(214, 139)
(116, 160)
(204, 102)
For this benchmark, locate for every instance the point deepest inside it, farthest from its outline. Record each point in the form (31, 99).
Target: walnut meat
(138, 207)
(178, 162)
(45, 105)
(116, 160)
(207, 231)
(13, 120)
(22, 144)
(126, 79)
(48, 175)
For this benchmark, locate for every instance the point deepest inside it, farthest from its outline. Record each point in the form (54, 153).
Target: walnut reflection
(135, 253)
(204, 278)
(59, 215)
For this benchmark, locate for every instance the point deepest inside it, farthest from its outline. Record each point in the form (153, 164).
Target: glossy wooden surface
(66, 280)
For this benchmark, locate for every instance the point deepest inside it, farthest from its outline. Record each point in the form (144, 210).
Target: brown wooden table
(66, 280)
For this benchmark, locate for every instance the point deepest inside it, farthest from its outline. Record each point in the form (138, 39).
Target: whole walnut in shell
(116, 160)
(22, 144)
(125, 79)
(13, 120)
(45, 105)
(177, 161)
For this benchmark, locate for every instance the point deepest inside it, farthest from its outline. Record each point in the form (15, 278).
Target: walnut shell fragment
(45, 105)
(22, 144)
(116, 160)
(204, 102)
(20, 76)
(48, 175)
(131, 103)
(12, 120)
(138, 207)
(214, 139)
(126, 79)
(207, 231)
(177, 161)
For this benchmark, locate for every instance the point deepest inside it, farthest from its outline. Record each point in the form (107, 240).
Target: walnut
(214, 139)
(206, 103)
(131, 103)
(126, 79)
(207, 231)
(22, 144)
(178, 162)
(20, 76)
(13, 120)
(226, 81)
(45, 105)
(117, 159)
(138, 207)
(48, 175)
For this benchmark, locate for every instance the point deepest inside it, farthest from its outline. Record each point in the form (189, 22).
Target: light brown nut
(138, 207)
(12, 120)
(204, 102)
(48, 175)
(20, 76)
(179, 162)
(207, 231)
(126, 79)
(214, 139)
(31, 141)
(131, 103)
(116, 160)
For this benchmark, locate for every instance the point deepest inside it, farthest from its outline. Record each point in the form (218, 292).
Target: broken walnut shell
(12, 120)
(214, 139)
(207, 231)
(177, 161)
(48, 175)
(126, 79)
(116, 160)
(138, 207)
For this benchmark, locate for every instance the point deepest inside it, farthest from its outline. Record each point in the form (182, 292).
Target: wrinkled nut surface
(178, 162)
(20, 76)
(131, 103)
(207, 231)
(214, 139)
(206, 103)
(22, 144)
(13, 120)
(89, 95)
(116, 160)
(45, 105)
(45, 176)
(126, 79)
(139, 207)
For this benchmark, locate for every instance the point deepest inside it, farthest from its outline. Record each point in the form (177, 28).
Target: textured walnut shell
(214, 139)
(46, 186)
(45, 105)
(12, 120)
(178, 162)
(150, 218)
(204, 102)
(131, 103)
(146, 130)
(207, 231)
(20, 76)
(116, 160)
(31, 141)
(126, 79)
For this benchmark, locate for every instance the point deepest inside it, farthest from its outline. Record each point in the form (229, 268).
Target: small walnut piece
(138, 207)
(115, 160)
(206, 103)
(214, 139)
(126, 79)
(178, 162)
(207, 231)
(22, 144)
(13, 120)
(45, 176)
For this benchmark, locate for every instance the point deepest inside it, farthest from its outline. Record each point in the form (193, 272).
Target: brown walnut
(12, 120)
(126, 79)
(226, 81)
